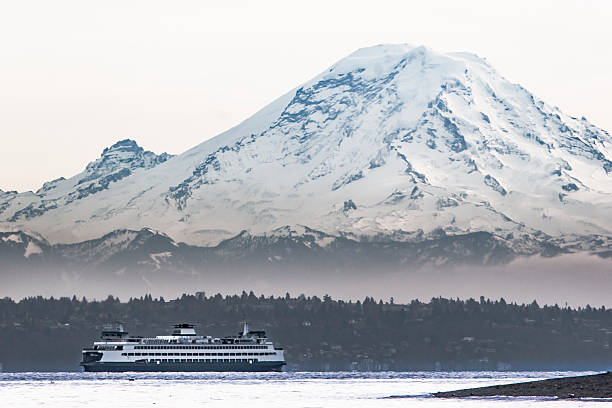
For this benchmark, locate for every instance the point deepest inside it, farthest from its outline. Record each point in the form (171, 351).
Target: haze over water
(292, 389)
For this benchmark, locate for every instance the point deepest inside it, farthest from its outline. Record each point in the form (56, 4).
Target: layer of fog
(573, 279)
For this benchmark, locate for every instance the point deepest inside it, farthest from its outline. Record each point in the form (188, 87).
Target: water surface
(292, 389)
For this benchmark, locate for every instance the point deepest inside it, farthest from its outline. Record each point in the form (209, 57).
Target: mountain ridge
(129, 262)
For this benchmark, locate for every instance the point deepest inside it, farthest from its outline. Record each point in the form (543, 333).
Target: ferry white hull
(259, 366)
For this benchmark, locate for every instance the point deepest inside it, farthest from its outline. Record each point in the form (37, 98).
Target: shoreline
(584, 386)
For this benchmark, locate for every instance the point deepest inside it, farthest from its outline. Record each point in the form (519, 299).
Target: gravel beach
(588, 386)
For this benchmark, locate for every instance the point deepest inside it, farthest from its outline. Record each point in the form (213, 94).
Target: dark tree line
(325, 334)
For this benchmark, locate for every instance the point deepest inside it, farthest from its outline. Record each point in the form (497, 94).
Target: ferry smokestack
(245, 329)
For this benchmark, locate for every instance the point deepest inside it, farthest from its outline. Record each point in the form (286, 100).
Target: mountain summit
(391, 140)
(115, 163)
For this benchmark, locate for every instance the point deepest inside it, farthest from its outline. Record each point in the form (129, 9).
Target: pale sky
(76, 76)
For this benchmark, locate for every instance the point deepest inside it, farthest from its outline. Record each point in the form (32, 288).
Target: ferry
(182, 350)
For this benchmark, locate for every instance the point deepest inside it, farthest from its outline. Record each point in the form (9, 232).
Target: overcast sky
(76, 76)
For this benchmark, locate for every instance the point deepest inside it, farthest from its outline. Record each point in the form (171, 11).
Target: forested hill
(325, 334)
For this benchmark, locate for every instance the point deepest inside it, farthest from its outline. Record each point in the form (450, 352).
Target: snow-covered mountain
(391, 141)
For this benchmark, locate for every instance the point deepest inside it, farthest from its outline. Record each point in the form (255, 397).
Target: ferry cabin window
(235, 354)
(250, 347)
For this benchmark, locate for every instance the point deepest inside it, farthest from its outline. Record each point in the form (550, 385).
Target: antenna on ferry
(245, 329)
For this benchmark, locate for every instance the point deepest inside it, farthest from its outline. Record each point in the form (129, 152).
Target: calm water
(268, 390)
